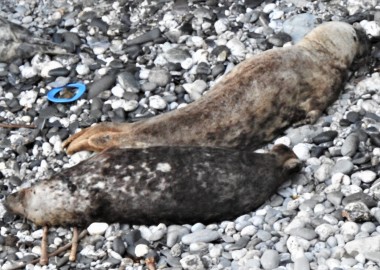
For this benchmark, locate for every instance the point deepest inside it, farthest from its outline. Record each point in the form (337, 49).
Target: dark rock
(279, 39)
(362, 197)
(203, 68)
(118, 246)
(104, 83)
(253, 3)
(72, 38)
(353, 116)
(59, 72)
(100, 24)
(326, 136)
(146, 37)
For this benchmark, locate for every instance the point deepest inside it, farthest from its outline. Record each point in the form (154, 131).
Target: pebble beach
(139, 59)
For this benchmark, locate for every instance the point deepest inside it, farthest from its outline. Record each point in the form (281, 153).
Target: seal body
(16, 41)
(252, 104)
(158, 184)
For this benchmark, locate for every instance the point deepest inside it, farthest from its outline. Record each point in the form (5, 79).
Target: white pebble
(349, 229)
(302, 151)
(28, 98)
(141, 250)
(49, 66)
(97, 228)
(324, 231)
(28, 72)
(37, 234)
(248, 230)
(82, 69)
(269, 8)
(238, 254)
(117, 91)
(371, 28)
(283, 140)
(220, 26)
(365, 176)
(157, 102)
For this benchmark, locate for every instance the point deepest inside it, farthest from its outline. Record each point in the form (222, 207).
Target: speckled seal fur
(158, 184)
(252, 104)
(18, 42)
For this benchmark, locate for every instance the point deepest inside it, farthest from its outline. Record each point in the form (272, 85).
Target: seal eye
(355, 39)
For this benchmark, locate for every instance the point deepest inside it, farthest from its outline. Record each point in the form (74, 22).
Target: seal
(157, 184)
(252, 104)
(16, 41)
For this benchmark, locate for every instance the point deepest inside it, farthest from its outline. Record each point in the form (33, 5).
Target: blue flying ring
(81, 88)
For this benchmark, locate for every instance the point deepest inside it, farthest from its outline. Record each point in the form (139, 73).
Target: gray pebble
(299, 25)
(104, 83)
(368, 227)
(306, 233)
(270, 259)
(195, 89)
(192, 262)
(344, 166)
(159, 76)
(204, 235)
(175, 233)
(263, 235)
(335, 197)
(363, 245)
(148, 87)
(301, 263)
(177, 55)
(146, 37)
(128, 82)
(350, 145)
(362, 197)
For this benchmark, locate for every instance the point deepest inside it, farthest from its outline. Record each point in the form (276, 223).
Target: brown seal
(252, 104)
(158, 184)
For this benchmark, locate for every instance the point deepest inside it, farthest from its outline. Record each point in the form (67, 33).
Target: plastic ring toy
(80, 87)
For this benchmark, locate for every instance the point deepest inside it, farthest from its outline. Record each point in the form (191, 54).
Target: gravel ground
(143, 58)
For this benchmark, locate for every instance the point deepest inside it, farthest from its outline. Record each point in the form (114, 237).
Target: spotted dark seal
(158, 184)
(252, 104)
(18, 42)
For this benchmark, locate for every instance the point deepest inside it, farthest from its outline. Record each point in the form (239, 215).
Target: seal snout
(13, 203)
